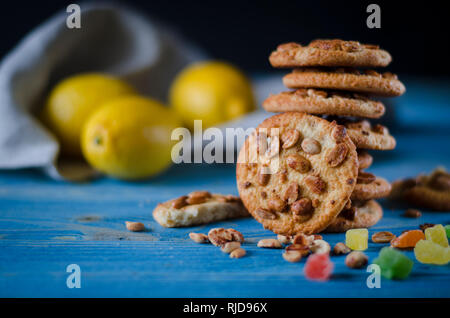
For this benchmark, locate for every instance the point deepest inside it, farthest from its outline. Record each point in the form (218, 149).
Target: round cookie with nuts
(296, 172)
(366, 136)
(367, 81)
(359, 215)
(365, 159)
(323, 102)
(369, 186)
(329, 53)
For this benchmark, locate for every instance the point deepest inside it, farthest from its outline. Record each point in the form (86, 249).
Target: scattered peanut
(230, 247)
(269, 243)
(382, 237)
(356, 259)
(135, 226)
(238, 253)
(320, 247)
(341, 248)
(292, 256)
(284, 239)
(198, 237)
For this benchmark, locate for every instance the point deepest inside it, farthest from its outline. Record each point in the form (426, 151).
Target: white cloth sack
(112, 39)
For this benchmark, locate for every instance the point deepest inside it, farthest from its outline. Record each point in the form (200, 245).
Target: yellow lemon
(129, 137)
(72, 101)
(213, 92)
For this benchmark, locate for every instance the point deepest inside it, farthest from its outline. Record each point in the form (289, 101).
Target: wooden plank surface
(46, 225)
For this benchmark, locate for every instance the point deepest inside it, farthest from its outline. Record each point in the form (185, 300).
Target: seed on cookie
(263, 176)
(180, 202)
(275, 204)
(339, 133)
(337, 155)
(315, 184)
(198, 197)
(311, 146)
(302, 206)
(298, 163)
(265, 214)
(290, 138)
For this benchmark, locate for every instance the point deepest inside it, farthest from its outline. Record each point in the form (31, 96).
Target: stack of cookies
(303, 170)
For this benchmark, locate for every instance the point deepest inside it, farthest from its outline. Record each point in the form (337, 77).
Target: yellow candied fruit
(437, 234)
(357, 239)
(428, 252)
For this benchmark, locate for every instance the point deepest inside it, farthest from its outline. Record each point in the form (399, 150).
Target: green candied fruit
(393, 263)
(447, 230)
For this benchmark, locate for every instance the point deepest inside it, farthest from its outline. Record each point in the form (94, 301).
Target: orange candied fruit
(408, 239)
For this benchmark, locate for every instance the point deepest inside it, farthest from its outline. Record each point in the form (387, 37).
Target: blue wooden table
(46, 225)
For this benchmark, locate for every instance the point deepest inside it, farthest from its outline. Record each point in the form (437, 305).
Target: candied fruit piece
(393, 263)
(447, 230)
(408, 239)
(437, 234)
(318, 267)
(429, 252)
(357, 239)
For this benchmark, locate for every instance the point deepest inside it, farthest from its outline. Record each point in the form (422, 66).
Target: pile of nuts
(229, 240)
(296, 247)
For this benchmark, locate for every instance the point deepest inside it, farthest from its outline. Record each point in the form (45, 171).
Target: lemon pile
(128, 136)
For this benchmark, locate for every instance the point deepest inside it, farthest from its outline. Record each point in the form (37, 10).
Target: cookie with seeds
(329, 53)
(347, 79)
(366, 136)
(428, 191)
(198, 207)
(369, 186)
(321, 102)
(296, 172)
(360, 215)
(365, 159)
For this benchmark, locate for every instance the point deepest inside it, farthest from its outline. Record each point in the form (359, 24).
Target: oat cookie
(366, 136)
(368, 81)
(329, 53)
(304, 172)
(428, 191)
(365, 159)
(322, 102)
(199, 207)
(370, 187)
(360, 215)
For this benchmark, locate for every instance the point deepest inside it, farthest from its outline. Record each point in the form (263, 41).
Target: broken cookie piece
(199, 207)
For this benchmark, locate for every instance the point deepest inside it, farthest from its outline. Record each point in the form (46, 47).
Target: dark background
(244, 32)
